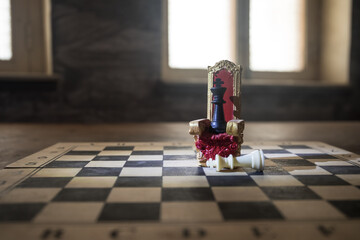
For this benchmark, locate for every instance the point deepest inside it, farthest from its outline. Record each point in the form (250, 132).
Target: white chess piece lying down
(254, 160)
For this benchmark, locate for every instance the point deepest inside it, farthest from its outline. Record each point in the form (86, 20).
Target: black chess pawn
(218, 122)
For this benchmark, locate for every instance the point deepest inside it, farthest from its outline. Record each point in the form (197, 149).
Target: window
(271, 39)
(25, 37)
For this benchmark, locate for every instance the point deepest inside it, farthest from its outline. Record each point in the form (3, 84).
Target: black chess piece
(218, 122)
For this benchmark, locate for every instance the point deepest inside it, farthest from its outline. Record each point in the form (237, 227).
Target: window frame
(311, 61)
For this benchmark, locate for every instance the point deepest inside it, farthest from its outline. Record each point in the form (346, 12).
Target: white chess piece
(254, 160)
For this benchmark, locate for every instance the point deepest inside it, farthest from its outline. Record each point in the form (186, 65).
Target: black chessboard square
(66, 164)
(147, 153)
(245, 147)
(183, 171)
(275, 151)
(119, 148)
(111, 158)
(316, 156)
(187, 194)
(292, 162)
(295, 146)
(130, 212)
(342, 169)
(82, 153)
(320, 180)
(82, 195)
(99, 171)
(273, 170)
(19, 211)
(230, 181)
(179, 157)
(138, 182)
(143, 164)
(249, 210)
(178, 148)
(289, 193)
(45, 182)
(351, 208)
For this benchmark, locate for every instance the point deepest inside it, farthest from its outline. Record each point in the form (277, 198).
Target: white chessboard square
(225, 172)
(145, 158)
(115, 153)
(304, 151)
(76, 158)
(57, 172)
(280, 155)
(187, 212)
(239, 194)
(185, 181)
(70, 212)
(330, 163)
(276, 181)
(353, 179)
(148, 148)
(30, 195)
(307, 170)
(308, 210)
(264, 147)
(91, 182)
(107, 164)
(141, 172)
(179, 152)
(130, 195)
(337, 192)
(181, 163)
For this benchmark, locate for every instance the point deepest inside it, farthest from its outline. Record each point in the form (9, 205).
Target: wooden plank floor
(20, 140)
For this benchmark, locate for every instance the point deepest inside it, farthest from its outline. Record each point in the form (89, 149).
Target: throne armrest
(197, 127)
(235, 127)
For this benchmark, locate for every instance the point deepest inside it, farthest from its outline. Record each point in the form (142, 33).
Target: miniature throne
(225, 107)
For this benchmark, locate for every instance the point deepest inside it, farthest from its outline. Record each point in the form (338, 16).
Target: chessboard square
(178, 147)
(69, 212)
(307, 170)
(118, 148)
(181, 163)
(316, 156)
(230, 181)
(263, 147)
(298, 146)
(66, 164)
(245, 147)
(144, 164)
(280, 155)
(320, 180)
(29, 195)
(148, 148)
(304, 151)
(185, 181)
(57, 172)
(239, 194)
(111, 158)
(108, 164)
(249, 210)
(276, 181)
(289, 193)
(337, 192)
(115, 153)
(82, 152)
(179, 152)
(82, 195)
(19, 211)
(141, 171)
(183, 171)
(308, 210)
(99, 171)
(45, 182)
(138, 182)
(225, 172)
(275, 151)
(342, 169)
(139, 194)
(293, 162)
(350, 208)
(147, 153)
(353, 179)
(130, 212)
(190, 212)
(275, 170)
(180, 157)
(187, 194)
(76, 158)
(91, 182)
(326, 162)
(146, 158)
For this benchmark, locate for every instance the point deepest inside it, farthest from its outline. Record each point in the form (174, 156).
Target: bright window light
(5, 30)
(277, 35)
(200, 33)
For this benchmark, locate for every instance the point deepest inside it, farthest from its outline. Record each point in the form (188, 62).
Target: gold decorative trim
(235, 71)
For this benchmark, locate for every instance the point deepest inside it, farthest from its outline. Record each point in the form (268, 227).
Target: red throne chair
(208, 142)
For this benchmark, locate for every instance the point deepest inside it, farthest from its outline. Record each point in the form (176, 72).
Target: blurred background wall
(107, 57)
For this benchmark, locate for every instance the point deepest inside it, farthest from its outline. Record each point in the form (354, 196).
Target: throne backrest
(230, 74)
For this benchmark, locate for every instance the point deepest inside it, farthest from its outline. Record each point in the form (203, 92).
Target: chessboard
(156, 190)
